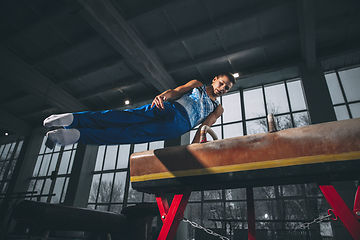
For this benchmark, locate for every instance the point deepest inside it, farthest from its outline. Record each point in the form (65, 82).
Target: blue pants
(143, 124)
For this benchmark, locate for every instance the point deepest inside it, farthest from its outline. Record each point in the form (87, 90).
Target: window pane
(134, 196)
(192, 135)
(276, 100)
(290, 190)
(232, 108)
(334, 88)
(296, 95)
(53, 163)
(46, 186)
(123, 157)
(264, 192)
(18, 149)
(341, 113)
(11, 169)
(265, 210)
(236, 210)
(217, 130)
(38, 186)
(193, 212)
(156, 145)
(37, 166)
(119, 187)
(301, 119)
(105, 188)
(110, 157)
(64, 162)
(10, 151)
(57, 148)
(283, 122)
(235, 194)
(350, 80)
(45, 165)
(213, 211)
(294, 209)
(233, 130)
(65, 189)
(140, 147)
(94, 188)
(256, 126)
(3, 169)
(195, 196)
(58, 189)
(213, 194)
(42, 149)
(100, 158)
(254, 103)
(355, 109)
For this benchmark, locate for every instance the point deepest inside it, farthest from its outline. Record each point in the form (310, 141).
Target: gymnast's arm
(172, 93)
(210, 120)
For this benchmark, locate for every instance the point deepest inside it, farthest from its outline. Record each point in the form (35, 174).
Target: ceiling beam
(306, 16)
(14, 124)
(79, 43)
(90, 69)
(41, 22)
(110, 88)
(233, 51)
(14, 98)
(108, 22)
(151, 8)
(14, 69)
(324, 26)
(232, 19)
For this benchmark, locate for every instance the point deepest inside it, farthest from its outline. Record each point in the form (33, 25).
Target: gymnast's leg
(108, 118)
(136, 133)
(139, 127)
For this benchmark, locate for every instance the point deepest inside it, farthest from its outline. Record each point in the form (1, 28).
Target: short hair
(229, 75)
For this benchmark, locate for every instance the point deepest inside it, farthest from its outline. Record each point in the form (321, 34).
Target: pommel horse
(318, 153)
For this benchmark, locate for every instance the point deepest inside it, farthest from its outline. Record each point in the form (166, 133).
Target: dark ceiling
(63, 56)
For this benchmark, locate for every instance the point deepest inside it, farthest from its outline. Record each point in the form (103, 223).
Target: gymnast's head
(222, 83)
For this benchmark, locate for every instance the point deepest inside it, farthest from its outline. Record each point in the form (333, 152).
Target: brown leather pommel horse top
(289, 156)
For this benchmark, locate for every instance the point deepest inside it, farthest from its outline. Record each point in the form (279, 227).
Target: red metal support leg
(250, 213)
(356, 210)
(341, 210)
(172, 216)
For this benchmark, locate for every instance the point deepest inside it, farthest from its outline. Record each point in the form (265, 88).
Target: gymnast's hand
(159, 102)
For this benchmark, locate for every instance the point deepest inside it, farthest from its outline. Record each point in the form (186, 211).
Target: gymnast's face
(221, 85)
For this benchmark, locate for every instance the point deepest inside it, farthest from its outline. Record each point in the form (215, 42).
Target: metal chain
(209, 231)
(316, 220)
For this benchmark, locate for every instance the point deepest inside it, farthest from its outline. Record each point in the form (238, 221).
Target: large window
(278, 210)
(111, 177)
(245, 111)
(344, 87)
(9, 154)
(108, 185)
(51, 173)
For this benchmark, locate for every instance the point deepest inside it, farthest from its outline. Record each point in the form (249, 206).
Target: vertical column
(78, 190)
(250, 213)
(317, 94)
(26, 162)
(22, 173)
